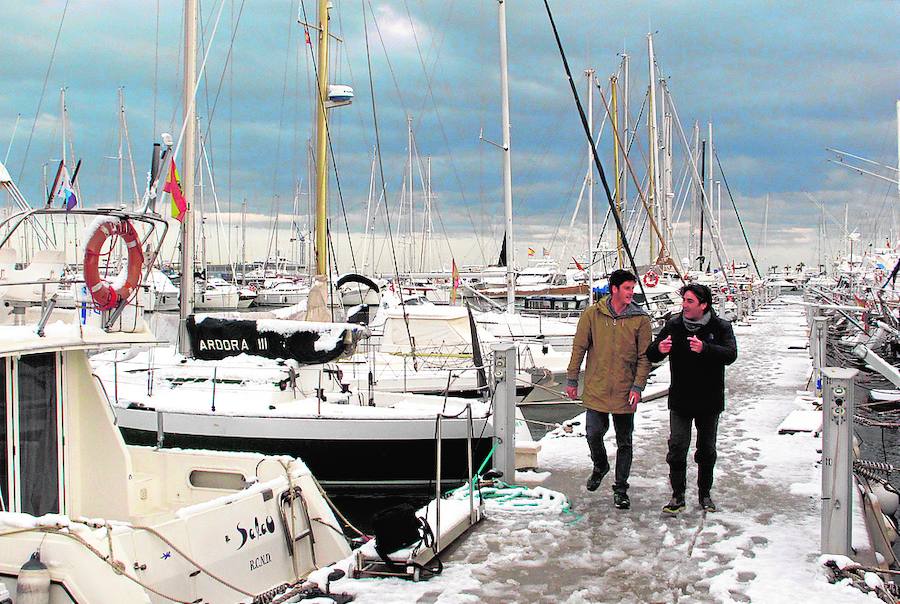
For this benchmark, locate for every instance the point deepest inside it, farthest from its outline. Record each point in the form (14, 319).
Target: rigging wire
(387, 211)
(587, 132)
(736, 213)
(37, 112)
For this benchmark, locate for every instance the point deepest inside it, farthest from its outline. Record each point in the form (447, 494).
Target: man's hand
(665, 345)
(695, 343)
(634, 397)
(572, 392)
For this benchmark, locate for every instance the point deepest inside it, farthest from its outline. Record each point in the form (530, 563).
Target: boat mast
(186, 303)
(653, 147)
(322, 143)
(589, 73)
(617, 189)
(507, 164)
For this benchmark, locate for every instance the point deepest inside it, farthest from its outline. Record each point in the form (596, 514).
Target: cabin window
(211, 479)
(5, 443)
(38, 444)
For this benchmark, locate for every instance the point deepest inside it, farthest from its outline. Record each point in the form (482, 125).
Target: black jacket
(698, 379)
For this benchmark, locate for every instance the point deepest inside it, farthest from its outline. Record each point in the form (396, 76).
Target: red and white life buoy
(106, 295)
(651, 279)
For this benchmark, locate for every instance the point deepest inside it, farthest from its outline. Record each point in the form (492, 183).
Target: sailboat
(255, 383)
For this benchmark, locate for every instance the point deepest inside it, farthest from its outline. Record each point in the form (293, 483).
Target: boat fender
(33, 584)
(887, 496)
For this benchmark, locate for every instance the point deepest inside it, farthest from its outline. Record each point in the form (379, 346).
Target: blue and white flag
(66, 192)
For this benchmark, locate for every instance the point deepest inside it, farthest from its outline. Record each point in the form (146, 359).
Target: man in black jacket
(699, 345)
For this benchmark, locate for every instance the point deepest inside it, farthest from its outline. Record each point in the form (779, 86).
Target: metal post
(837, 425)
(470, 433)
(160, 430)
(214, 390)
(505, 409)
(437, 484)
(820, 331)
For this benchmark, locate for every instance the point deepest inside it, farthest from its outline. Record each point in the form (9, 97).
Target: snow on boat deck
(762, 546)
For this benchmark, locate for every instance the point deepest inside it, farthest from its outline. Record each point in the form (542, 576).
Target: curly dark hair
(620, 276)
(702, 293)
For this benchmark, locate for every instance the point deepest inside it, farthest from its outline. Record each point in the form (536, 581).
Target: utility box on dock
(837, 463)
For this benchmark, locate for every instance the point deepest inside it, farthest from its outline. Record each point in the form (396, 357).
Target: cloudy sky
(780, 81)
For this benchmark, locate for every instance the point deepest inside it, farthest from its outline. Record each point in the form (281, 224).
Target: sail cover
(214, 338)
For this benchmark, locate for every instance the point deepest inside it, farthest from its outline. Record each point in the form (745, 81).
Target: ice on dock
(762, 546)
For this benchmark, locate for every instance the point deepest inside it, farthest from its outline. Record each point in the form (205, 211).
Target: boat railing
(45, 234)
(470, 434)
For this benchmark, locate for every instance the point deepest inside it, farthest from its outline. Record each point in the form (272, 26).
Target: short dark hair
(620, 276)
(700, 291)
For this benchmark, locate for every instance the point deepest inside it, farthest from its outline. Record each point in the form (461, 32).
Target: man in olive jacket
(699, 345)
(615, 333)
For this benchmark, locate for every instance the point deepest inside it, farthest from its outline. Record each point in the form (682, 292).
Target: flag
(531, 251)
(577, 265)
(66, 192)
(306, 33)
(173, 188)
(455, 277)
(546, 251)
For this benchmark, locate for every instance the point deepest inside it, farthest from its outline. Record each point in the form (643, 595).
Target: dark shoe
(593, 482)
(674, 507)
(621, 501)
(707, 504)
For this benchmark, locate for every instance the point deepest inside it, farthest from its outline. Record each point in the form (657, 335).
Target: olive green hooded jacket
(616, 348)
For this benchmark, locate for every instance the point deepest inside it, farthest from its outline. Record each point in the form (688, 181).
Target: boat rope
(736, 213)
(866, 464)
(117, 566)
(387, 211)
(335, 509)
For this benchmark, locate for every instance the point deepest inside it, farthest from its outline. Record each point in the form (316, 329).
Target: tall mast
(411, 247)
(322, 143)
(590, 180)
(625, 140)
(186, 304)
(613, 85)
(654, 158)
(507, 164)
(120, 157)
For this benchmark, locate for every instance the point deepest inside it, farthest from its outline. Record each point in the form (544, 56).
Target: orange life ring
(105, 295)
(651, 279)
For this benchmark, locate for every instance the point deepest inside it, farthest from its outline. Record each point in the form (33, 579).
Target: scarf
(694, 326)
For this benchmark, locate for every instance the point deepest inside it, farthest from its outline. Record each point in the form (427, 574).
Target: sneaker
(707, 504)
(621, 501)
(674, 507)
(593, 482)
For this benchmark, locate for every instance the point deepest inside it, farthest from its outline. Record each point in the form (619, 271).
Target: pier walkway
(762, 546)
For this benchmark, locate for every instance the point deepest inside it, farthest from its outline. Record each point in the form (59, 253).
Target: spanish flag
(173, 188)
(531, 251)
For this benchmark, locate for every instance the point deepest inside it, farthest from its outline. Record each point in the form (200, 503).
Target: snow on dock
(762, 546)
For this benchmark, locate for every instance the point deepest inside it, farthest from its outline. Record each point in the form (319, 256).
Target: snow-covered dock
(762, 546)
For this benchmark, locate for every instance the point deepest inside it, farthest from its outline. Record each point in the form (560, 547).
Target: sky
(780, 82)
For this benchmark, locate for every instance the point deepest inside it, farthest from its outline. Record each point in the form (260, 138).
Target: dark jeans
(705, 454)
(596, 427)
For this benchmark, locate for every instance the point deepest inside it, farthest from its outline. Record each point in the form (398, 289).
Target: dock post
(820, 339)
(505, 409)
(837, 463)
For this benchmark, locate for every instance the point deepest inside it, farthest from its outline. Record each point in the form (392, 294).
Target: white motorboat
(117, 523)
